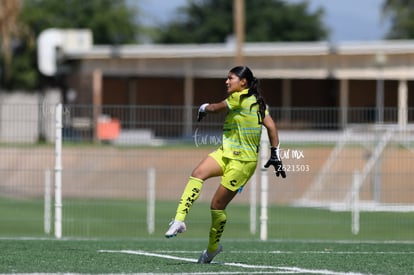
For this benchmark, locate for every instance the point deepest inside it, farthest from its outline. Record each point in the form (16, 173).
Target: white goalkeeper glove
(202, 112)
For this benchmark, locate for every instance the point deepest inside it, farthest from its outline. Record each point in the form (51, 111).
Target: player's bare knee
(197, 173)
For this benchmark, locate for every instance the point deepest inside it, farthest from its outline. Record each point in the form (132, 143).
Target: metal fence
(114, 158)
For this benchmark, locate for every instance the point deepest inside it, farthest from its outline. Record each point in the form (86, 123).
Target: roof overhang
(390, 59)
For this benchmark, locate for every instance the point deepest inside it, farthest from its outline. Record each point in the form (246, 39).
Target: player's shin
(218, 221)
(190, 195)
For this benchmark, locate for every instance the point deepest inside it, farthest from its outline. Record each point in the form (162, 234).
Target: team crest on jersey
(236, 153)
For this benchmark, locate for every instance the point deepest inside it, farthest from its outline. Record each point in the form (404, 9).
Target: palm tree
(9, 12)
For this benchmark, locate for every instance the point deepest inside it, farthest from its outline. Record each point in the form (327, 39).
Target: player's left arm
(272, 132)
(274, 159)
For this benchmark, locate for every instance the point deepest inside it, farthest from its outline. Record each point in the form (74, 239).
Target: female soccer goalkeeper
(235, 161)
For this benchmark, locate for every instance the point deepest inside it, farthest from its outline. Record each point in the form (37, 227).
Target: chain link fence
(113, 157)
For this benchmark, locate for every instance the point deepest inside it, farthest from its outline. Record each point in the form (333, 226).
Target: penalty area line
(290, 270)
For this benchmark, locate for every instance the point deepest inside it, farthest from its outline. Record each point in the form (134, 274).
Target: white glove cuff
(203, 107)
(278, 153)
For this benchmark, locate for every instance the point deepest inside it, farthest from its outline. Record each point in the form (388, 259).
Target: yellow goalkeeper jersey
(242, 130)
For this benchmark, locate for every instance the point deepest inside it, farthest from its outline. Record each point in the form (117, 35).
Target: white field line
(277, 269)
(297, 252)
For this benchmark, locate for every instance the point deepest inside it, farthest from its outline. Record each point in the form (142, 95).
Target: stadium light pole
(238, 18)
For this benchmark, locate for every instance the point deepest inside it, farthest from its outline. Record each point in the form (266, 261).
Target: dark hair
(253, 85)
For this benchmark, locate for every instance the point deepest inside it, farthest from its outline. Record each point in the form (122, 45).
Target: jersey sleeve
(233, 101)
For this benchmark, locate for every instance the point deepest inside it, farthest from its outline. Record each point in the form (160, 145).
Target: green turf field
(240, 256)
(110, 236)
(128, 219)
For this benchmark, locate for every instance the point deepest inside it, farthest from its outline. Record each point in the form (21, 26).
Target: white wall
(23, 116)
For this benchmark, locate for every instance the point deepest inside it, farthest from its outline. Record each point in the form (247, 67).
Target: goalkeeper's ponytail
(254, 89)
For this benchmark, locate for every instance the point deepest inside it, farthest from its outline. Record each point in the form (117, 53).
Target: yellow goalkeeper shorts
(235, 172)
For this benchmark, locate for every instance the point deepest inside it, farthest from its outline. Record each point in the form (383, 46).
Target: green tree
(111, 22)
(211, 21)
(10, 30)
(401, 15)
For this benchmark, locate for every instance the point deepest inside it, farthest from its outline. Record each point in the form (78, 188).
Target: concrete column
(343, 103)
(97, 100)
(188, 103)
(380, 101)
(402, 103)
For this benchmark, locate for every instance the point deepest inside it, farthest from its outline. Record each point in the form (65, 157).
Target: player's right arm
(211, 108)
(217, 107)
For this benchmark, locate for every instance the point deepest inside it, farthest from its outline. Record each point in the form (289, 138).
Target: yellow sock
(218, 221)
(190, 195)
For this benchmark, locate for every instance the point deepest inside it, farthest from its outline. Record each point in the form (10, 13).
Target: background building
(370, 80)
